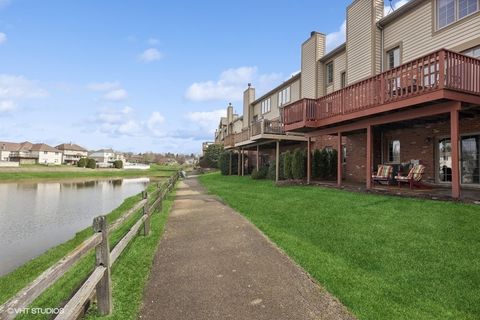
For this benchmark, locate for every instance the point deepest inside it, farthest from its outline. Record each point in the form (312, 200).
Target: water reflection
(37, 216)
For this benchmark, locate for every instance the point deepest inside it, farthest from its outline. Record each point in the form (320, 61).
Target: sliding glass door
(469, 160)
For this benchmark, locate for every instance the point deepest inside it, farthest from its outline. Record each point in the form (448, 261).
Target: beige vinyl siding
(275, 110)
(295, 91)
(339, 66)
(308, 69)
(378, 13)
(415, 43)
(237, 126)
(359, 40)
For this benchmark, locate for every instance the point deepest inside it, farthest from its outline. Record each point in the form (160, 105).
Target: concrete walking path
(214, 264)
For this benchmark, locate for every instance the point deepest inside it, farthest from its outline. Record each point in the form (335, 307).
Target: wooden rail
(242, 136)
(99, 280)
(274, 126)
(229, 140)
(439, 70)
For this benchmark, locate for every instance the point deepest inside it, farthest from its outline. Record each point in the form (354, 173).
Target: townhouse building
(403, 88)
(29, 153)
(72, 152)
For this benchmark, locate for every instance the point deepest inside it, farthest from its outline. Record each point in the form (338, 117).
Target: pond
(36, 216)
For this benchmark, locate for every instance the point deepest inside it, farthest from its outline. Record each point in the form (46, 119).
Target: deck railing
(229, 140)
(242, 136)
(442, 69)
(273, 126)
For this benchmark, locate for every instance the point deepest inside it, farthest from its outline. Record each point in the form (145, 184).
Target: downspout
(382, 55)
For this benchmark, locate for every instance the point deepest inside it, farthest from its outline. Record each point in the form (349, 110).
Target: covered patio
(446, 173)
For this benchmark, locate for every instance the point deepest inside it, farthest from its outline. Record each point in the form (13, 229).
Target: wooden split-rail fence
(99, 282)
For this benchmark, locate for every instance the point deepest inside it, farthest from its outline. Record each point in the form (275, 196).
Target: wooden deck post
(239, 172)
(368, 165)
(309, 159)
(102, 252)
(230, 165)
(243, 162)
(277, 161)
(258, 156)
(454, 138)
(146, 224)
(339, 159)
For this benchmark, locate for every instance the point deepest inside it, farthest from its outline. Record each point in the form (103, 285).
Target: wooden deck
(439, 76)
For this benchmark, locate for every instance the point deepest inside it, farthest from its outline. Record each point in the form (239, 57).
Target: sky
(146, 75)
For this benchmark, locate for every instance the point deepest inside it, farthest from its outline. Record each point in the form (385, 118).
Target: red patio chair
(413, 178)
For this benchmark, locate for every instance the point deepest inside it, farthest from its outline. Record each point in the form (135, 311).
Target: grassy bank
(72, 280)
(384, 257)
(68, 172)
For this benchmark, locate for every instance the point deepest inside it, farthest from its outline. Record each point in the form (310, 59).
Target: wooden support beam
(102, 252)
(243, 162)
(258, 158)
(390, 118)
(230, 165)
(339, 159)
(309, 159)
(455, 141)
(277, 161)
(239, 172)
(369, 162)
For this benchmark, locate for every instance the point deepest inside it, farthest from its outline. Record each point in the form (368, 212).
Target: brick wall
(418, 142)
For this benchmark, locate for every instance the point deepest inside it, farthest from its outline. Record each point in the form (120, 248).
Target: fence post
(102, 251)
(146, 223)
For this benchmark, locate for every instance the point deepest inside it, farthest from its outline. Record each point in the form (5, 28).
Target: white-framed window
(394, 151)
(329, 73)
(284, 96)
(473, 52)
(393, 58)
(449, 11)
(266, 106)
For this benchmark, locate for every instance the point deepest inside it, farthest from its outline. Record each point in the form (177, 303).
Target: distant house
(46, 154)
(29, 153)
(106, 157)
(72, 152)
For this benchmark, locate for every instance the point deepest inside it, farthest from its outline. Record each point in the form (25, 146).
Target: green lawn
(128, 274)
(384, 257)
(69, 172)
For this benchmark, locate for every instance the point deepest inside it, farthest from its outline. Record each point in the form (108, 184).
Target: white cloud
(153, 41)
(7, 106)
(336, 38)
(150, 55)
(207, 120)
(154, 124)
(119, 122)
(19, 87)
(116, 95)
(103, 86)
(231, 84)
(3, 37)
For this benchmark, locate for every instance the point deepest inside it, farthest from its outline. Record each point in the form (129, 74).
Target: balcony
(229, 141)
(440, 75)
(265, 126)
(243, 136)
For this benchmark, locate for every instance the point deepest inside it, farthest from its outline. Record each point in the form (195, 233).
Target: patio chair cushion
(416, 174)
(384, 172)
